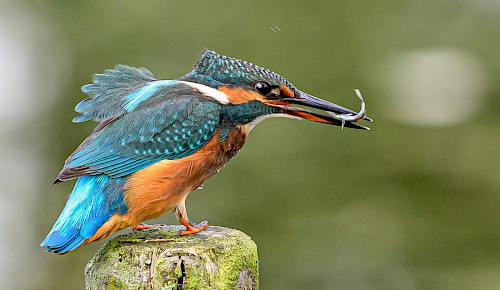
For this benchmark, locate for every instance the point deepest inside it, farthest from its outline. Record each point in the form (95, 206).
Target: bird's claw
(193, 228)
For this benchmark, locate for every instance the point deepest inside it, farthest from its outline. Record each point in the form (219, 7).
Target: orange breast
(160, 187)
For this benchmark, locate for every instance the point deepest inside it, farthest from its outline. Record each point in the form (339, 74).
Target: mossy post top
(217, 258)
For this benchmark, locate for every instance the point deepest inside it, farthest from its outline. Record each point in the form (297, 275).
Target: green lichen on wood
(216, 258)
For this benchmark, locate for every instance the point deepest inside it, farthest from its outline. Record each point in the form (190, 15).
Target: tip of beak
(353, 126)
(348, 117)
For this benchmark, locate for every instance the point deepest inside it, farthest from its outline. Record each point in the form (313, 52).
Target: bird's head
(243, 82)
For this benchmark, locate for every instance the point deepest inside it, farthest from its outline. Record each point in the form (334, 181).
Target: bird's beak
(335, 114)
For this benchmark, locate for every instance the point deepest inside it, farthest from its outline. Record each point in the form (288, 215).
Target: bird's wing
(153, 121)
(115, 92)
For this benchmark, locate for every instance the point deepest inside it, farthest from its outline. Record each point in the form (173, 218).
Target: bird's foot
(142, 227)
(193, 228)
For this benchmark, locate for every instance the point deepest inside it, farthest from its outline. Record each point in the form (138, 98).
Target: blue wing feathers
(109, 92)
(93, 201)
(167, 127)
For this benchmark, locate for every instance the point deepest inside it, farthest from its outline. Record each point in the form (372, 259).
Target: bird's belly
(159, 188)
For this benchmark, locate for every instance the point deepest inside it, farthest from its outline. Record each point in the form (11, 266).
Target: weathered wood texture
(216, 258)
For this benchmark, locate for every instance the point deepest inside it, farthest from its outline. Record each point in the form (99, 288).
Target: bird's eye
(263, 88)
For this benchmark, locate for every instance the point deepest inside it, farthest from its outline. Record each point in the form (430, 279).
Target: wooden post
(216, 258)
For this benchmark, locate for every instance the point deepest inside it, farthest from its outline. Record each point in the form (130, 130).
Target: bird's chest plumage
(160, 187)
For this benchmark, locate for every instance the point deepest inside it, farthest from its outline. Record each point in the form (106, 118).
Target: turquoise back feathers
(143, 120)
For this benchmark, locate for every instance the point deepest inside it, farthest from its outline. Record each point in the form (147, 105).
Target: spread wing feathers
(177, 126)
(111, 91)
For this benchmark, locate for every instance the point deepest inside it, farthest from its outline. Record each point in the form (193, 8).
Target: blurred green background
(412, 204)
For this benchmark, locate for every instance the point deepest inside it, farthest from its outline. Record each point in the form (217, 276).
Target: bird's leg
(180, 212)
(141, 227)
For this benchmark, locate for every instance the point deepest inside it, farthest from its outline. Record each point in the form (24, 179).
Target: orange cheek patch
(286, 91)
(240, 96)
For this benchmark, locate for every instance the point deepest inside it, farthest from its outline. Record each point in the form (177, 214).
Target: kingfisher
(158, 140)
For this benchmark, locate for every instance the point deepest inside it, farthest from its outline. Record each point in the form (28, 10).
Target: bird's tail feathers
(93, 201)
